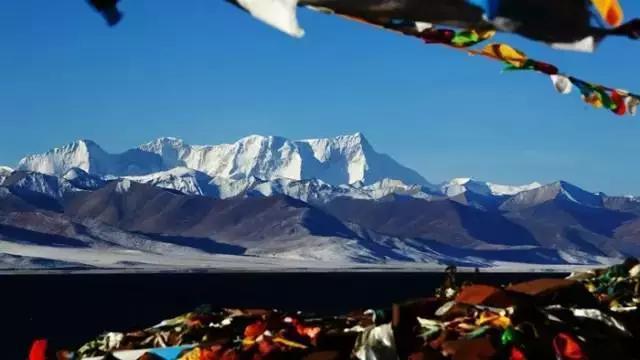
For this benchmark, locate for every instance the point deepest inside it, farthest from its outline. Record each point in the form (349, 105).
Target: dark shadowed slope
(445, 221)
(151, 210)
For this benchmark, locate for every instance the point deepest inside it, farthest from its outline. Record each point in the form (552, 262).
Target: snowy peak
(575, 194)
(557, 191)
(354, 157)
(91, 158)
(340, 160)
(498, 189)
(57, 161)
(358, 162)
(351, 145)
(458, 186)
(170, 149)
(387, 187)
(163, 143)
(5, 170)
(356, 138)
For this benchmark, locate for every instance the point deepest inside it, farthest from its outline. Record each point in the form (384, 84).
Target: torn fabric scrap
(281, 14)
(562, 84)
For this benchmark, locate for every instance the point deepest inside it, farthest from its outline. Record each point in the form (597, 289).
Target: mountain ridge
(339, 160)
(314, 199)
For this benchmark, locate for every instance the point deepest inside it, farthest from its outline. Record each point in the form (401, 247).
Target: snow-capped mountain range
(314, 169)
(339, 160)
(335, 200)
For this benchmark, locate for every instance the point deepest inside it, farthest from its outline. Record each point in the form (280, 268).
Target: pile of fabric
(617, 287)
(227, 334)
(540, 319)
(590, 315)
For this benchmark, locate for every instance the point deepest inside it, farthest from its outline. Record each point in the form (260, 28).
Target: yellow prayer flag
(610, 10)
(505, 53)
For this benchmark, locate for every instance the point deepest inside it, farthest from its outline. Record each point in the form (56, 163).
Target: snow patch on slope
(182, 179)
(5, 171)
(123, 186)
(77, 179)
(34, 182)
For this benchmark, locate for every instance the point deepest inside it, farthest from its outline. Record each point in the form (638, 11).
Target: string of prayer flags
(565, 24)
(459, 39)
(618, 101)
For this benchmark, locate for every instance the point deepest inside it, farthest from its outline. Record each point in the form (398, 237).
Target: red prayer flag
(38, 350)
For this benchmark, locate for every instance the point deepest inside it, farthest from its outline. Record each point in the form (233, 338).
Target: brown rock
(557, 291)
(541, 286)
(484, 295)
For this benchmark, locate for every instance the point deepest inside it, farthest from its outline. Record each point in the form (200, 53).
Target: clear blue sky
(203, 71)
